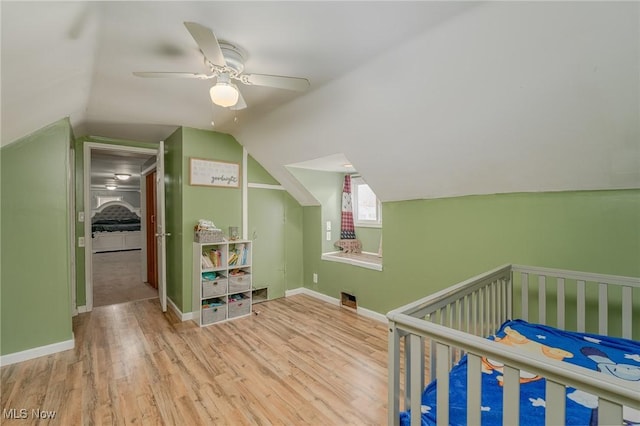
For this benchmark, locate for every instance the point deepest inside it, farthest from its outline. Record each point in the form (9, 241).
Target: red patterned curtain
(347, 229)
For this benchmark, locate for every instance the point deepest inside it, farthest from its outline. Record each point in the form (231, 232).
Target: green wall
(36, 269)
(294, 248)
(369, 237)
(326, 187)
(190, 203)
(257, 174)
(187, 203)
(287, 219)
(431, 244)
(173, 170)
(81, 296)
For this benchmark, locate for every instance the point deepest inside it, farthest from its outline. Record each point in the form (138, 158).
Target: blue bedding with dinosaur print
(609, 355)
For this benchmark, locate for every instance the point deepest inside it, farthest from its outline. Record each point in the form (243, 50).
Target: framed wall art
(204, 172)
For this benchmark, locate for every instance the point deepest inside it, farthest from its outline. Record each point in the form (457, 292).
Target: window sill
(362, 260)
(367, 225)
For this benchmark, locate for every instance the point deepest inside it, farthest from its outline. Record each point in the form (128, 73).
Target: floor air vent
(348, 300)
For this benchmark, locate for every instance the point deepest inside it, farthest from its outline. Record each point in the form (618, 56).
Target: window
(367, 210)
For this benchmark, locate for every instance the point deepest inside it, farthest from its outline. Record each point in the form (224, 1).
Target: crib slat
(505, 302)
(432, 360)
(394, 375)
(525, 296)
(473, 319)
(407, 371)
(496, 306)
(474, 388)
(492, 307)
(542, 299)
(442, 389)
(627, 297)
(480, 304)
(560, 303)
(609, 413)
(467, 312)
(555, 404)
(452, 324)
(511, 396)
(509, 300)
(500, 287)
(417, 377)
(487, 309)
(580, 301)
(452, 315)
(602, 309)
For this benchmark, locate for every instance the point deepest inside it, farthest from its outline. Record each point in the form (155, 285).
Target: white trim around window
(374, 219)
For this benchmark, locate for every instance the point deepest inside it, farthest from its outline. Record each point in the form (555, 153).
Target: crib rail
(581, 282)
(455, 321)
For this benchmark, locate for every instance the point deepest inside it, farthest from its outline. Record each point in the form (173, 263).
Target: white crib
(456, 320)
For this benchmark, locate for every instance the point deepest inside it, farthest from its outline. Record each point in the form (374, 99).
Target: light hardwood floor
(300, 361)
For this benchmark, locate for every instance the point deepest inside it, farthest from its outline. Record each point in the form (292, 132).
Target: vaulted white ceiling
(426, 99)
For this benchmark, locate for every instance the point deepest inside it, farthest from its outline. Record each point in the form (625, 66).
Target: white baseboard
(37, 352)
(360, 311)
(82, 309)
(183, 317)
(299, 290)
(312, 293)
(373, 315)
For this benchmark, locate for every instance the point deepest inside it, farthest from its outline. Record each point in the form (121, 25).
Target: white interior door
(161, 234)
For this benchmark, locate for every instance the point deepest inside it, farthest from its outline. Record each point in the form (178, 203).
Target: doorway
(117, 248)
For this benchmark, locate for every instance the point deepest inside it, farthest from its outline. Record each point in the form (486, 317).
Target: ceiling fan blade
(171, 75)
(207, 42)
(279, 81)
(241, 104)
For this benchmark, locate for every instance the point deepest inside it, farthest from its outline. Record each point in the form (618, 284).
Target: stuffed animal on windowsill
(349, 246)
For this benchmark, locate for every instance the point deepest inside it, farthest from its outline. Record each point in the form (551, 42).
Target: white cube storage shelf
(221, 281)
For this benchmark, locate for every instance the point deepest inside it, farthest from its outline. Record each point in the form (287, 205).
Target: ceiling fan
(226, 62)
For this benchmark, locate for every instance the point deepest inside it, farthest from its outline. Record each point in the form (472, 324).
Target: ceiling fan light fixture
(111, 187)
(224, 94)
(123, 176)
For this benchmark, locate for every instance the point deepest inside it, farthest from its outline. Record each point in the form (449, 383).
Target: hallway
(117, 278)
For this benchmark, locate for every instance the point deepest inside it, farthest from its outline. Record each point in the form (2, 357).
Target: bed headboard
(116, 211)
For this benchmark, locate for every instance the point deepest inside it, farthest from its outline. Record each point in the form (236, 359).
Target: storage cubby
(239, 304)
(259, 295)
(221, 281)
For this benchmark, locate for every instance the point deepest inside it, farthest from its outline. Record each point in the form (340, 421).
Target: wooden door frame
(88, 252)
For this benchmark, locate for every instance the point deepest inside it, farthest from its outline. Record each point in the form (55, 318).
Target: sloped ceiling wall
(55, 75)
(482, 98)
(506, 97)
